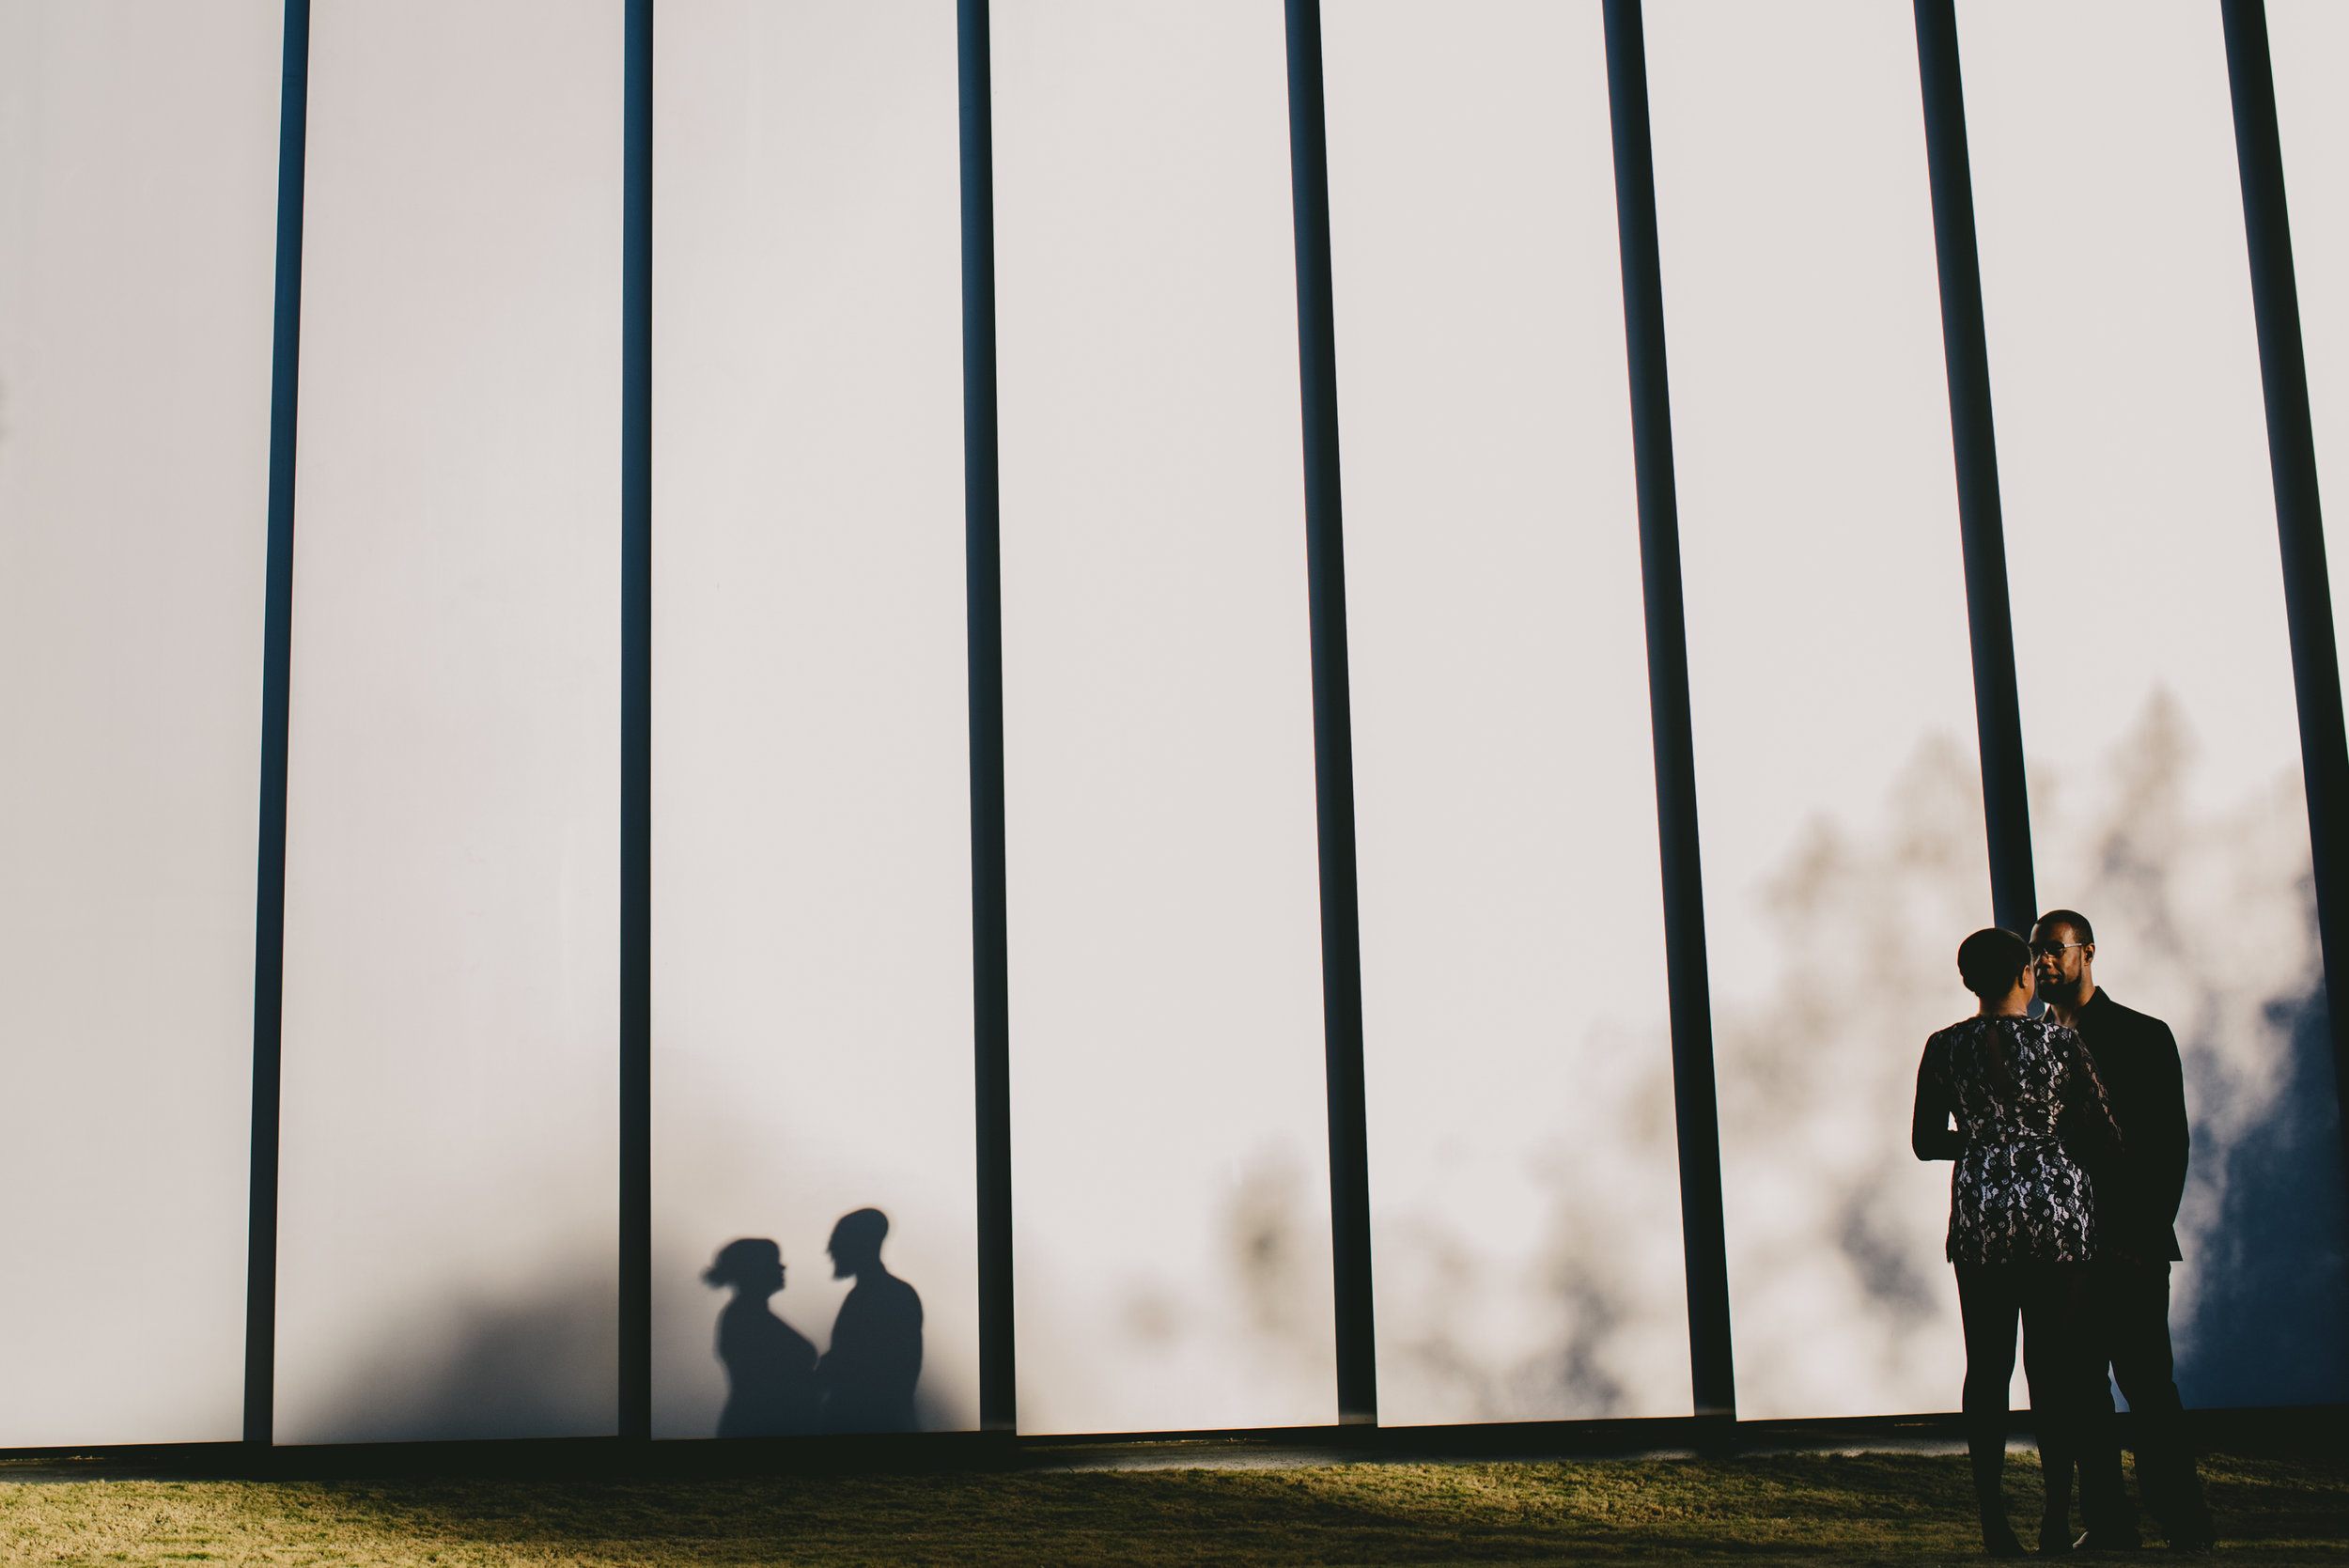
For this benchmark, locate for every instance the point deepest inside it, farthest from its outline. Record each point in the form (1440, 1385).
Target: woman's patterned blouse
(2029, 1110)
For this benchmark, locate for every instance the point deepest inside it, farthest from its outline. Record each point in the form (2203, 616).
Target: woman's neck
(2014, 1003)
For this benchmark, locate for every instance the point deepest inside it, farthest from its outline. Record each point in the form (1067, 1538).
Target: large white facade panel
(138, 178)
(450, 1176)
(2158, 714)
(1830, 687)
(812, 986)
(1524, 1195)
(1171, 1173)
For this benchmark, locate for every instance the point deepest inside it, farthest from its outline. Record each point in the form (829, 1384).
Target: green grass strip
(1796, 1509)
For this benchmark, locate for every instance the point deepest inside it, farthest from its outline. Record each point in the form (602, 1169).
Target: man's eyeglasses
(2052, 950)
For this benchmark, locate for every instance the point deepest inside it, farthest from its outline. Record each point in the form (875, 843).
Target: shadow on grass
(1861, 1509)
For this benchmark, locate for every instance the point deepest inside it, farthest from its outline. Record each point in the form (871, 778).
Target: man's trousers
(2128, 1313)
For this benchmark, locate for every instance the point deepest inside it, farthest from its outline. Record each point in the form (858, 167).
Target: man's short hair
(1992, 960)
(862, 1229)
(2072, 918)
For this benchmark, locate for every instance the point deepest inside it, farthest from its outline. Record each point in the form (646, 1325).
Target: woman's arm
(1929, 1131)
(2085, 1118)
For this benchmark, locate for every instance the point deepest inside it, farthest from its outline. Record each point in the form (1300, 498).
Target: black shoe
(1997, 1537)
(2107, 1540)
(2055, 1538)
(2195, 1540)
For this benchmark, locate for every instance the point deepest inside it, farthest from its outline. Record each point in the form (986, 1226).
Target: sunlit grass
(1864, 1509)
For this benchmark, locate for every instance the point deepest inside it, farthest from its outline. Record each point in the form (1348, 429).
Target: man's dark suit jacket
(2137, 1198)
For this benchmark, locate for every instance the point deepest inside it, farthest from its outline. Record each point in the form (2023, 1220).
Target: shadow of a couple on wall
(777, 1386)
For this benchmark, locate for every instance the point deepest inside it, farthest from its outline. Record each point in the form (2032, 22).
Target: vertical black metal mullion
(635, 1216)
(269, 949)
(983, 623)
(1997, 712)
(1333, 725)
(1697, 1114)
(2299, 518)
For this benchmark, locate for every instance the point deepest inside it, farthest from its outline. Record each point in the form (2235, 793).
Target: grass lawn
(1804, 1508)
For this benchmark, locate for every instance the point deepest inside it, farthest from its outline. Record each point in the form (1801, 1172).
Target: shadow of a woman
(771, 1368)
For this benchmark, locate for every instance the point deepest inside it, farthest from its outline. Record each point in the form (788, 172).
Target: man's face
(2058, 957)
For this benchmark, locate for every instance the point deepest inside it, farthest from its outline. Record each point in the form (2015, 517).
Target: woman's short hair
(1991, 960)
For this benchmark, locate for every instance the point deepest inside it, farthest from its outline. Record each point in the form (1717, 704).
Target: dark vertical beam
(635, 1367)
(269, 925)
(1695, 1101)
(1997, 714)
(1333, 725)
(2299, 519)
(982, 515)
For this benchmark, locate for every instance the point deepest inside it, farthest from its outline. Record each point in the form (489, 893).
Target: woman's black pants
(2071, 1411)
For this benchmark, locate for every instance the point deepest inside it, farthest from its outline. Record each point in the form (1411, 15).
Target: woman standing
(771, 1368)
(2029, 1109)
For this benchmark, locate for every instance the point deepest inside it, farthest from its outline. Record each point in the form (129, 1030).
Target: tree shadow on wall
(1835, 1236)
(1844, 1296)
(1229, 1327)
(2219, 906)
(535, 1364)
(2265, 1326)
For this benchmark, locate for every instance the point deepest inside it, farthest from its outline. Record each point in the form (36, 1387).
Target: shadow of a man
(876, 1357)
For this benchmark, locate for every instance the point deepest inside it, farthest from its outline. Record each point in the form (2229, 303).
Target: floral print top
(2032, 1119)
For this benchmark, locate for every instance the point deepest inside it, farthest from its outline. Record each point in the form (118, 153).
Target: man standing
(2137, 1212)
(869, 1373)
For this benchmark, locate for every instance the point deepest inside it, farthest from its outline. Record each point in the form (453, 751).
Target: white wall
(138, 185)
(1170, 1164)
(2156, 682)
(448, 1215)
(1837, 790)
(811, 1015)
(450, 1176)
(1524, 1195)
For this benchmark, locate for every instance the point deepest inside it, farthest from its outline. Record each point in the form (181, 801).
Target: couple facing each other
(2070, 1142)
(776, 1384)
